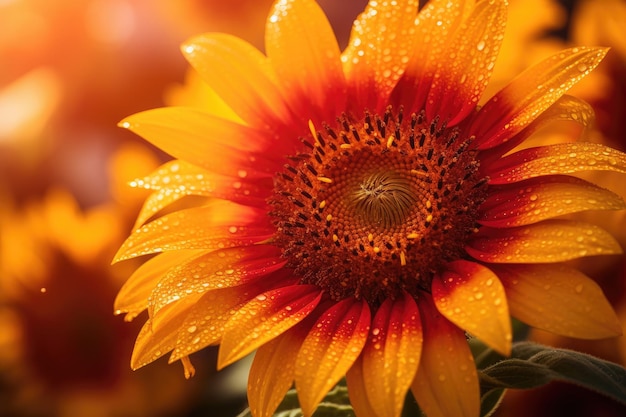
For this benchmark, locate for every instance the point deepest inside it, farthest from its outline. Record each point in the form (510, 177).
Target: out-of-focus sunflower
(365, 212)
(59, 345)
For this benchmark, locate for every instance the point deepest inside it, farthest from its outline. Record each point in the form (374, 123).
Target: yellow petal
(380, 46)
(359, 400)
(205, 321)
(218, 145)
(558, 299)
(563, 158)
(219, 225)
(548, 241)
(532, 92)
(538, 199)
(158, 335)
(446, 383)
(240, 74)
(222, 268)
(391, 355)
(567, 108)
(330, 349)
(264, 318)
(133, 296)
(302, 48)
(472, 297)
(465, 69)
(272, 372)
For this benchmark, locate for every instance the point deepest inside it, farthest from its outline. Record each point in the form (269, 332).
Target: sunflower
(364, 210)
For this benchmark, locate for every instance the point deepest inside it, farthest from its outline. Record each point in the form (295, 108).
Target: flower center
(377, 205)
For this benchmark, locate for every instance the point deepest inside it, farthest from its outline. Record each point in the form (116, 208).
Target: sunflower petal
(558, 299)
(464, 72)
(396, 333)
(472, 297)
(205, 321)
(222, 268)
(434, 26)
(176, 179)
(273, 370)
(264, 318)
(446, 383)
(359, 400)
(532, 92)
(563, 158)
(219, 225)
(158, 335)
(182, 132)
(538, 199)
(381, 43)
(330, 349)
(303, 50)
(133, 296)
(548, 241)
(567, 108)
(240, 74)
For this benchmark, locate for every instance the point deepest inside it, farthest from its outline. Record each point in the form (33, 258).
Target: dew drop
(192, 329)
(261, 297)
(579, 288)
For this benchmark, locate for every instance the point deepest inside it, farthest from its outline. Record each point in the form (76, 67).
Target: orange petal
(532, 92)
(538, 199)
(176, 179)
(472, 297)
(380, 46)
(219, 225)
(133, 296)
(446, 383)
(548, 241)
(158, 335)
(465, 69)
(240, 74)
(330, 349)
(222, 268)
(558, 299)
(273, 370)
(391, 355)
(563, 158)
(303, 50)
(182, 132)
(359, 400)
(205, 321)
(264, 318)
(434, 26)
(566, 108)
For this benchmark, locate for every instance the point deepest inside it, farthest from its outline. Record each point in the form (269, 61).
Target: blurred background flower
(71, 70)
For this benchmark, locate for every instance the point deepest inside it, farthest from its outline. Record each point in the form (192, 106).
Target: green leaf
(334, 404)
(531, 365)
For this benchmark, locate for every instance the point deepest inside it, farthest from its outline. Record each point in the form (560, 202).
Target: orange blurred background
(70, 70)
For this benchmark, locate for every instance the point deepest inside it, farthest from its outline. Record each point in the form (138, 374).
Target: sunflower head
(366, 208)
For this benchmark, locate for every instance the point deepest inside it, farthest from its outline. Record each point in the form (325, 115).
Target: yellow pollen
(390, 141)
(345, 146)
(420, 173)
(370, 237)
(329, 218)
(376, 249)
(325, 179)
(402, 258)
(429, 218)
(335, 238)
(323, 204)
(312, 129)
(412, 236)
(428, 204)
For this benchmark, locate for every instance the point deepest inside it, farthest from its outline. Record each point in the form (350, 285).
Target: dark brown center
(377, 204)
